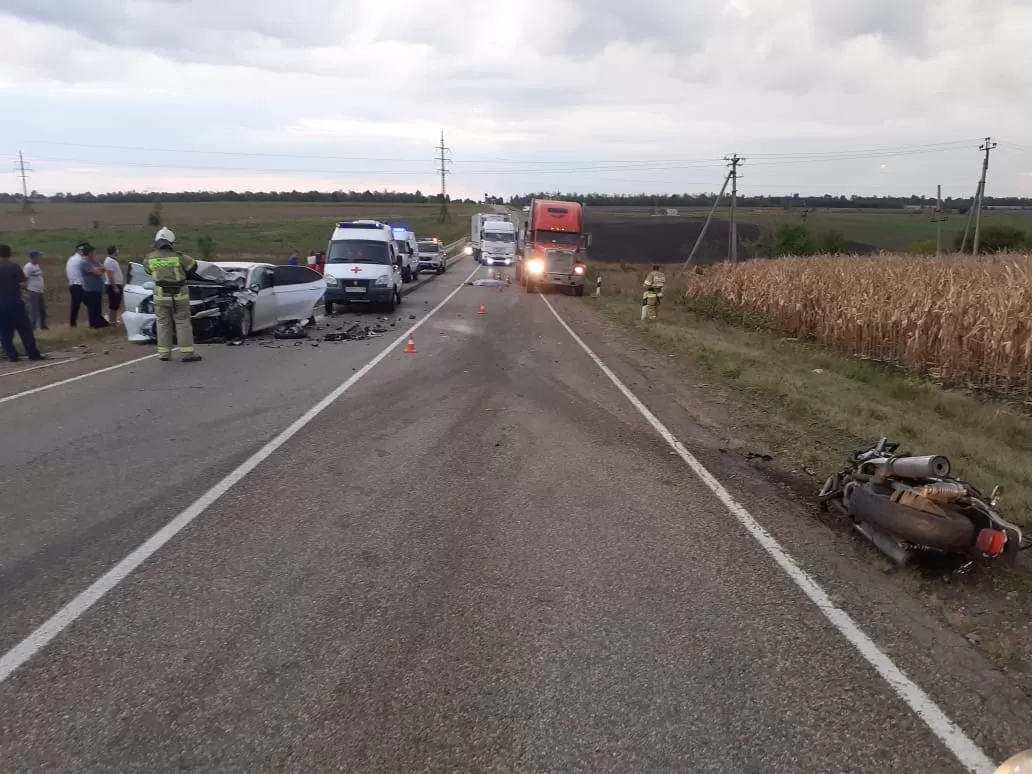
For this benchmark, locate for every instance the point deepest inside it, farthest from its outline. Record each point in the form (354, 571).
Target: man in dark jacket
(13, 316)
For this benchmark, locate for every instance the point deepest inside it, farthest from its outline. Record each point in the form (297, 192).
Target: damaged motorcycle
(906, 505)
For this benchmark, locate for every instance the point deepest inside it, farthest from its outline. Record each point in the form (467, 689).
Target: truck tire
(870, 504)
(390, 306)
(580, 290)
(406, 274)
(328, 307)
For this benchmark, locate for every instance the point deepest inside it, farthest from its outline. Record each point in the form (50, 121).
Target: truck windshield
(358, 251)
(496, 236)
(557, 238)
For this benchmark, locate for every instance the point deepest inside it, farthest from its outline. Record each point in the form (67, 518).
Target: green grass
(272, 238)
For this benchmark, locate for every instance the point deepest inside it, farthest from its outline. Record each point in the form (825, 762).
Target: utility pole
(22, 170)
(709, 217)
(938, 221)
(444, 161)
(987, 146)
(733, 162)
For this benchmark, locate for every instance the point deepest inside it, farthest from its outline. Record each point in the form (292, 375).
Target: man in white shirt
(37, 303)
(113, 284)
(73, 268)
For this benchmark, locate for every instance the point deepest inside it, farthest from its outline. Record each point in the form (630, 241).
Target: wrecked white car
(233, 300)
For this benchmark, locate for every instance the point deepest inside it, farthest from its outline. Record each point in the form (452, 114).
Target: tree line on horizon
(687, 200)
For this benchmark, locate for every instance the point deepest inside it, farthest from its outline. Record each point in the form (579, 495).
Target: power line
(585, 164)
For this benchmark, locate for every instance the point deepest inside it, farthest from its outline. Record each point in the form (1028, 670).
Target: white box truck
(493, 236)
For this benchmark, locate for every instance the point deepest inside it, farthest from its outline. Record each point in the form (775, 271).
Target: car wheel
(390, 306)
(406, 274)
(440, 269)
(328, 307)
(398, 297)
(243, 324)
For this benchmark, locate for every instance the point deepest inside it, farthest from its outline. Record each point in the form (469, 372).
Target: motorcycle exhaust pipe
(884, 543)
(930, 466)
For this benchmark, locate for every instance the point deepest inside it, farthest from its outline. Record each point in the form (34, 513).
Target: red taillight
(990, 542)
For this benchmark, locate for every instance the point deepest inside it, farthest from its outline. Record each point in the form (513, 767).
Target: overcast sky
(888, 96)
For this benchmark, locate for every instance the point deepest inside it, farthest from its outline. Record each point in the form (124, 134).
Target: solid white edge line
(948, 732)
(45, 365)
(49, 629)
(86, 375)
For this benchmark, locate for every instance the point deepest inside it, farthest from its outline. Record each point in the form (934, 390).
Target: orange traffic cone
(483, 309)
(410, 348)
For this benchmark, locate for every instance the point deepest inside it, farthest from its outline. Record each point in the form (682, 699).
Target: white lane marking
(45, 365)
(37, 640)
(86, 375)
(949, 733)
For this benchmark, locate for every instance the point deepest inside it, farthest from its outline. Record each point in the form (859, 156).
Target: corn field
(960, 320)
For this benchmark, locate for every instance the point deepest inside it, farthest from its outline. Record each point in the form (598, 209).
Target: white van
(363, 266)
(408, 249)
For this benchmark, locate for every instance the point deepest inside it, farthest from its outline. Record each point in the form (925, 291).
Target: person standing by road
(73, 268)
(292, 261)
(13, 317)
(654, 282)
(113, 282)
(35, 292)
(93, 274)
(170, 270)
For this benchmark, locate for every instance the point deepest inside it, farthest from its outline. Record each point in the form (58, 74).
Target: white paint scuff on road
(958, 743)
(45, 365)
(99, 371)
(37, 640)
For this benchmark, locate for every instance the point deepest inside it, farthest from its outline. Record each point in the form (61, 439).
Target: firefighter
(170, 270)
(654, 282)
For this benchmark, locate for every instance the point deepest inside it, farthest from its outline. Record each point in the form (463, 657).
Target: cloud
(545, 94)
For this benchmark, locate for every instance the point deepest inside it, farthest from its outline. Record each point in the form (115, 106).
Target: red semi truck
(554, 246)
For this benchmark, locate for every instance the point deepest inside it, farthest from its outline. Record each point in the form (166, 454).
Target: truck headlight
(383, 279)
(468, 249)
(535, 266)
(331, 281)
(578, 269)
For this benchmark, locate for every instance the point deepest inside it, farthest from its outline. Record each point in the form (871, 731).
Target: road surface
(478, 557)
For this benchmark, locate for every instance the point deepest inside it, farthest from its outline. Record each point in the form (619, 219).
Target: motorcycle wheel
(953, 532)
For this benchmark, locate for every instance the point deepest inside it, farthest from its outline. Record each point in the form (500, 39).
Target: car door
(138, 286)
(297, 291)
(261, 284)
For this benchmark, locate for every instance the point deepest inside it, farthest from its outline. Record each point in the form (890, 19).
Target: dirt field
(663, 240)
(865, 230)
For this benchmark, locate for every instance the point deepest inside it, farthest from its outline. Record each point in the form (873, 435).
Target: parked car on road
(432, 256)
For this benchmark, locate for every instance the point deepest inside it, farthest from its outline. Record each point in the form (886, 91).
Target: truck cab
(554, 247)
(498, 243)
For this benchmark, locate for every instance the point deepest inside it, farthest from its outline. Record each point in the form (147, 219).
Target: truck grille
(558, 261)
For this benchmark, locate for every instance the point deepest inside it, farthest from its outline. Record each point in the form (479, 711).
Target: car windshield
(358, 251)
(557, 237)
(496, 236)
(429, 247)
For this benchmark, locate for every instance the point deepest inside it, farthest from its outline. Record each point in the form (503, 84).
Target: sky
(887, 97)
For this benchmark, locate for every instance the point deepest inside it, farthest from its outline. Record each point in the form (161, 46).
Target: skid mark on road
(68, 614)
(948, 732)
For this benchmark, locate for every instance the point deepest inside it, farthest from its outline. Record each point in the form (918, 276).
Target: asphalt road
(480, 557)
